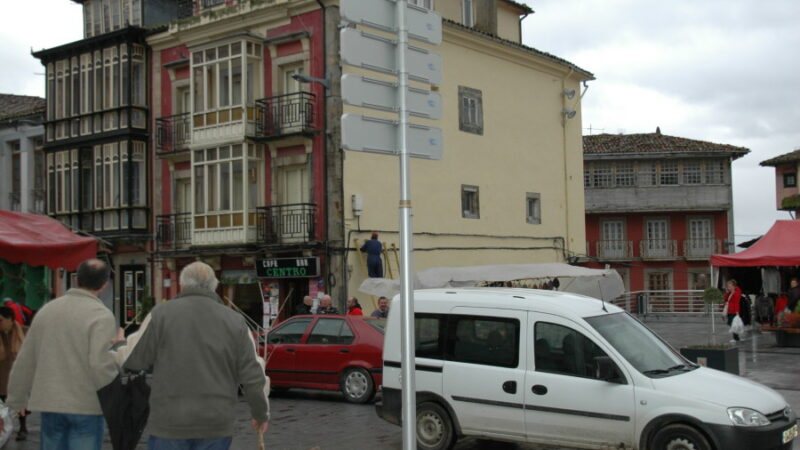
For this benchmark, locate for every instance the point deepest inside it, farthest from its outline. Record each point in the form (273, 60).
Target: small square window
(790, 180)
(533, 208)
(470, 206)
(470, 110)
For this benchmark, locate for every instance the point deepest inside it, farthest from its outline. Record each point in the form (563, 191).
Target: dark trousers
(730, 321)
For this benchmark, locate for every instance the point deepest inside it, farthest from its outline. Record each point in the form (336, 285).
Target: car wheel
(434, 427)
(679, 437)
(357, 385)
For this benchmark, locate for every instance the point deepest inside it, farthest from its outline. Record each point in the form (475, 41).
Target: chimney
(486, 16)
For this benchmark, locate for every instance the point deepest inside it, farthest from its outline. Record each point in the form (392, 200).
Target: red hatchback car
(331, 352)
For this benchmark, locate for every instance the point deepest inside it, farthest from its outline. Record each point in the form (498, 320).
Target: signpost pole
(407, 361)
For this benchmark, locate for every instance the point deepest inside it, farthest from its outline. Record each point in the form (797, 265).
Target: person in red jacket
(353, 308)
(22, 314)
(732, 297)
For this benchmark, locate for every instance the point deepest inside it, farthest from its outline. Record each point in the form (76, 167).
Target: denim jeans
(157, 443)
(71, 431)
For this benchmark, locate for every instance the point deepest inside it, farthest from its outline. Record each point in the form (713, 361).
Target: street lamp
(307, 79)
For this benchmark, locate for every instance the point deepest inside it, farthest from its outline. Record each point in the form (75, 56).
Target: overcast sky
(715, 70)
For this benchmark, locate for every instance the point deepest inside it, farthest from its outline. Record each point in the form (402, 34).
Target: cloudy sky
(715, 70)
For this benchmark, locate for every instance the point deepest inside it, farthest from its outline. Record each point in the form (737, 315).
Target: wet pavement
(303, 420)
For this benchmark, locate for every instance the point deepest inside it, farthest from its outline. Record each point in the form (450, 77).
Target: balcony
(173, 133)
(658, 248)
(616, 249)
(174, 231)
(286, 224)
(285, 115)
(701, 248)
(15, 201)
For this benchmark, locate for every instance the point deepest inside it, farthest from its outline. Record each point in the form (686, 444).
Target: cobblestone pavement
(303, 420)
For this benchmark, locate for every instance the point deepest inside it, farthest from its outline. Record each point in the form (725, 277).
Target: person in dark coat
(373, 248)
(305, 307)
(794, 294)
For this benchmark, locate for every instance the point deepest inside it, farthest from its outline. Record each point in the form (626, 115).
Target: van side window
(559, 349)
(429, 335)
(492, 341)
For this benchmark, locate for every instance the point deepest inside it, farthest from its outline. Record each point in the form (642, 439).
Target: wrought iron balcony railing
(614, 249)
(285, 114)
(658, 248)
(173, 133)
(286, 224)
(701, 248)
(174, 231)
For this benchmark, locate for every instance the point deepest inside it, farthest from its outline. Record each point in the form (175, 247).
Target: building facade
(97, 132)
(657, 207)
(251, 176)
(22, 184)
(787, 193)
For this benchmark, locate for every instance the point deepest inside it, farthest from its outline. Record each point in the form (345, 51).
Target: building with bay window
(97, 138)
(22, 160)
(657, 207)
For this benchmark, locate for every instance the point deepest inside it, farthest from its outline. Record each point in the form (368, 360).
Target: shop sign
(287, 267)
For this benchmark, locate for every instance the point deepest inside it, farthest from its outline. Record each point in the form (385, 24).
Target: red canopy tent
(779, 247)
(42, 241)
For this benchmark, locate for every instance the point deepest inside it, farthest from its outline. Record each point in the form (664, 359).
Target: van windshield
(641, 347)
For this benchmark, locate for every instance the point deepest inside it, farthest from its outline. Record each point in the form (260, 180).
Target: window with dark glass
(492, 341)
(289, 333)
(790, 180)
(563, 350)
(470, 205)
(331, 331)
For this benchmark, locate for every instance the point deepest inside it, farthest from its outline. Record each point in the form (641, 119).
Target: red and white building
(787, 193)
(657, 207)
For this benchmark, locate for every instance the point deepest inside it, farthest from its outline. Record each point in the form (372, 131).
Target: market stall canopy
(779, 247)
(38, 240)
(598, 283)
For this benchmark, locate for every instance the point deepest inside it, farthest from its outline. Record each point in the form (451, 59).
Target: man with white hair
(200, 352)
(325, 306)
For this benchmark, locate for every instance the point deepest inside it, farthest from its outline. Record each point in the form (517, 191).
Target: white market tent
(604, 284)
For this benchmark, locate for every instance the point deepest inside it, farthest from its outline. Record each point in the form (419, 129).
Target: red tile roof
(783, 159)
(12, 106)
(597, 144)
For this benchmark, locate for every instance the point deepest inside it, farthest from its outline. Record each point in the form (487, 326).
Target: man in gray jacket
(64, 360)
(200, 352)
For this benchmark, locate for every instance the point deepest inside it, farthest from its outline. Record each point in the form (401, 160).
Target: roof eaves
(782, 159)
(525, 8)
(588, 75)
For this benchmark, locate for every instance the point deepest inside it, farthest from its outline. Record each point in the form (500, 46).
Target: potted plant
(721, 357)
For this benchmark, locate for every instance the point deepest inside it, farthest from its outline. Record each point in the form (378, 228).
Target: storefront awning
(779, 247)
(38, 240)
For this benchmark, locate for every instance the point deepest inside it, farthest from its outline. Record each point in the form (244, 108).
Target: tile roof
(12, 106)
(597, 144)
(522, 6)
(782, 159)
(587, 75)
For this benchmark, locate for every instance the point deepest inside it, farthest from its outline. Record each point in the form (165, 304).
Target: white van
(565, 370)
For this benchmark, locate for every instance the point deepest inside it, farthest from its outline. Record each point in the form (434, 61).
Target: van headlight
(745, 417)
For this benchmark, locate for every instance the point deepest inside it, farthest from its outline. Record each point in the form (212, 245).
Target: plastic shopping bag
(6, 423)
(737, 326)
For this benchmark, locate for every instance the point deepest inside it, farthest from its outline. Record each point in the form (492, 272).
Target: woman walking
(733, 296)
(11, 337)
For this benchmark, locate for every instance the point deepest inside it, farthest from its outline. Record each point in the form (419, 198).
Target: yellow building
(509, 187)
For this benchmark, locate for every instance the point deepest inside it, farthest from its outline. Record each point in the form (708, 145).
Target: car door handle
(538, 389)
(510, 387)
(290, 349)
(344, 350)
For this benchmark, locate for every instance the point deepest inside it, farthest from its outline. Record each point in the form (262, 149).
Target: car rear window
(378, 324)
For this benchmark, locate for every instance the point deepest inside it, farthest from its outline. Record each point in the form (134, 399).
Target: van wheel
(679, 437)
(357, 385)
(434, 427)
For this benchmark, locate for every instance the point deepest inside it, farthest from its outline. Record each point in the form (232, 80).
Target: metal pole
(407, 360)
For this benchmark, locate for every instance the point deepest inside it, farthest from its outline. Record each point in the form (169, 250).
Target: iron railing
(614, 249)
(701, 248)
(685, 302)
(15, 200)
(658, 248)
(285, 114)
(174, 231)
(284, 224)
(173, 133)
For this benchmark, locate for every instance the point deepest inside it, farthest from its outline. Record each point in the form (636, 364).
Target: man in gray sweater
(64, 360)
(200, 352)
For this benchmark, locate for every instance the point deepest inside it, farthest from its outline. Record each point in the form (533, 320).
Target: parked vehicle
(560, 369)
(331, 352)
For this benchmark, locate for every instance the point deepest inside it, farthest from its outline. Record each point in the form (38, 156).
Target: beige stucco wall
(508, 22)
(449, 9)
(524, 148)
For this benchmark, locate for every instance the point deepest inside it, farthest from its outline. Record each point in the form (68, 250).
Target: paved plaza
(303, 420)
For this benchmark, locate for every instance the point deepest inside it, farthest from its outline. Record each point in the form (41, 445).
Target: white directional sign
(382, 95)
(373, 52)
(423, 24)
(375, 135)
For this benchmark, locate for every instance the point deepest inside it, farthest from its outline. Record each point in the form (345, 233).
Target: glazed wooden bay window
(97, 92)
(227, 182)
(104, 16)
(226, 80)
(100, 188)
